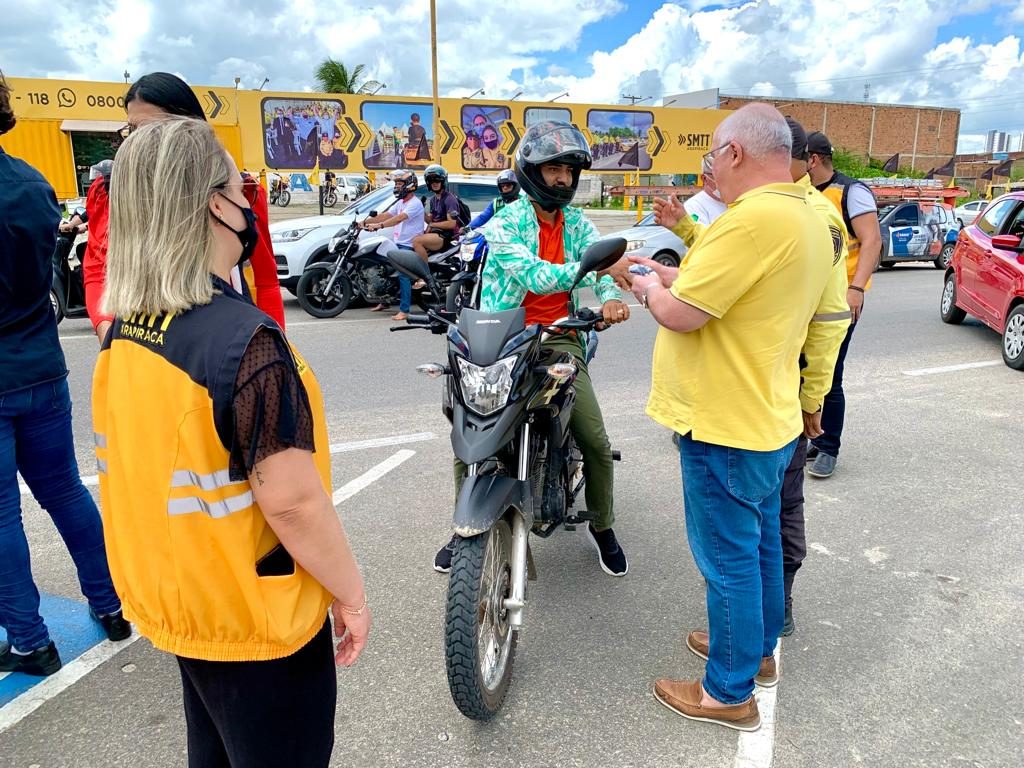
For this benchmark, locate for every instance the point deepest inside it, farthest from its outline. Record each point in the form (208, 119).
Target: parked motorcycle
(67, 290)
(509, 401)
(330, 192)
(279, 193)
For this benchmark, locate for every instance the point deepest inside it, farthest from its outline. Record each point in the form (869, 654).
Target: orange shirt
(547, 308)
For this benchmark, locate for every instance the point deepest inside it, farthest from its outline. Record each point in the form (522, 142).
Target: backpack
(465, 216)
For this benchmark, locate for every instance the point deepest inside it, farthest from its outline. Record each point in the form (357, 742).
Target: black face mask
(249, 236)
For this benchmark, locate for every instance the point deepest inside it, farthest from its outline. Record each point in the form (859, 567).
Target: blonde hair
(160, 249)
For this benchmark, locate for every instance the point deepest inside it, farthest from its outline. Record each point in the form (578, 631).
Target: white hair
(760, 129)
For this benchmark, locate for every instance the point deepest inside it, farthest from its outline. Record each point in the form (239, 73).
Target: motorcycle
(67, 290)
(350, 270)
(361, 271)
(330, 193)
(464, 288)
(509, 401)
(279, 192)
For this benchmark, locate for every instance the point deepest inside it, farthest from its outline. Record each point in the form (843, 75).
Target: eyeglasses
(708, 157)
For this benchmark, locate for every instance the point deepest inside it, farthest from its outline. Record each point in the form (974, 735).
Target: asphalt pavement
(908, 648)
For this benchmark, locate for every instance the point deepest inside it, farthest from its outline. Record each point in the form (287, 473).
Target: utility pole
(634, 100)
(433, 70)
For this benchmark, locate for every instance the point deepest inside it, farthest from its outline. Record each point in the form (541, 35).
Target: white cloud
(815, 49)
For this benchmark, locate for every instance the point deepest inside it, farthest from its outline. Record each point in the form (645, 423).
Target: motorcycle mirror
(600, 256)
(409, 264)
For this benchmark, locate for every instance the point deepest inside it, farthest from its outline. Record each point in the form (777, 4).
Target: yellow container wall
(46, 147)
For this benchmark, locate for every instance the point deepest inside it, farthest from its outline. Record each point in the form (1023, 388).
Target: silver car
(652, 241)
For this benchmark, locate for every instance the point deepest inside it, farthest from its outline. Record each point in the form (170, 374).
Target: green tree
(334, 77)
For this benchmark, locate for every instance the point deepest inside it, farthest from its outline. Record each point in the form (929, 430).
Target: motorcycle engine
(375, 282)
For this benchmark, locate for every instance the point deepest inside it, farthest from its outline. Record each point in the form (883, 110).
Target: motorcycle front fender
(485, 498)
(464, 277)
(328, 265)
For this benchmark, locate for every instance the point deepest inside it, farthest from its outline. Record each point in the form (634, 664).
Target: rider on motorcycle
(406, 216)
(508, 189)
(442, 219)
(536, 245)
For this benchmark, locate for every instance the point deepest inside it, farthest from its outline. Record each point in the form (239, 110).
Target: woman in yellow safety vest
(214, 465)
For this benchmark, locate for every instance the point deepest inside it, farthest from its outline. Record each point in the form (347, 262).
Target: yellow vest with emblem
(183, 537)
(836, 192)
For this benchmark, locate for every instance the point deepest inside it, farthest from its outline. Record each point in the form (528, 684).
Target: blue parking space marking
(71, 628)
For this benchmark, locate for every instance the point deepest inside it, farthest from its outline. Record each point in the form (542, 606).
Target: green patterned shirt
(514, 268)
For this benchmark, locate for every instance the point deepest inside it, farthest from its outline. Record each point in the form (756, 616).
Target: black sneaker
(610, 554)
(443, 558)
(114, 624)
(41, 663)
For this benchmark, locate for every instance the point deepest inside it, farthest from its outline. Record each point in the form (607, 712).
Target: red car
(986, 276)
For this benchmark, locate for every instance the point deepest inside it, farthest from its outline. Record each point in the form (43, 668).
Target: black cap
(818, 144)
(799, 139)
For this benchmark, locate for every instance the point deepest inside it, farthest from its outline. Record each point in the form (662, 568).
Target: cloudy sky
(964, 54)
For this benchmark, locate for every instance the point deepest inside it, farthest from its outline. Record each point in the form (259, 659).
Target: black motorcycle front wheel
(480, 644)
(283, 198)
(316, 300)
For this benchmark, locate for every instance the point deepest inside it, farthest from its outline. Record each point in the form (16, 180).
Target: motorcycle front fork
(516, 601)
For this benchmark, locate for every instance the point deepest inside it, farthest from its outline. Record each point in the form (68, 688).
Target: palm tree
(334, 77)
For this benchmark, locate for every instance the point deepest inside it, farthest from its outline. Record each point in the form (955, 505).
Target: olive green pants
(587, 427)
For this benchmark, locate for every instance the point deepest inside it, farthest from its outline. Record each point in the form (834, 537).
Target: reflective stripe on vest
(215, 509)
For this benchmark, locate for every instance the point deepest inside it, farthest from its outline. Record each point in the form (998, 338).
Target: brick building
(924, 137)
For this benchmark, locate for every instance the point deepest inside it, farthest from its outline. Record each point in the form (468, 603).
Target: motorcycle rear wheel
(480, 645)
(309, 292)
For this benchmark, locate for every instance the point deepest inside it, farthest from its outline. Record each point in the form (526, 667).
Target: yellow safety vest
(183, 538)
(836, 192)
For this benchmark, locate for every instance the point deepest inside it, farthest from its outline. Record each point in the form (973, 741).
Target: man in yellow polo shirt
(726, 378)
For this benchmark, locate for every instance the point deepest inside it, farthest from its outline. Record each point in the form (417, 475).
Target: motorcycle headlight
(290, 235)
(635, 245)
(486, 389)
(467, 252)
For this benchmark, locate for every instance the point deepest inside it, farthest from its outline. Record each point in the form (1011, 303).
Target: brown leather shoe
(683, 697)
(767, 676)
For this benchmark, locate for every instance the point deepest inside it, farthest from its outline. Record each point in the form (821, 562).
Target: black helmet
(405, 182)
(435, 173)
(551, 141)
(508, 176)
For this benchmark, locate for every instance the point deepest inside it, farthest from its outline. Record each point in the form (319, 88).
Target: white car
(298, 242)
(968, 212)
(652, 241)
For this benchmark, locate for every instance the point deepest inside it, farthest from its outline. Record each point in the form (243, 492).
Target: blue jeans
(732, 500)
(405, 287)
(833, 411)
(35, 439)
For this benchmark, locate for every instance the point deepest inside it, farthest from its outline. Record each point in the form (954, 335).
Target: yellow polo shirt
(758, 272)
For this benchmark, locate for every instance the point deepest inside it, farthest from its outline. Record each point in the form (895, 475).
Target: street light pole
(520, 93)
(433, 71)
(559, 96)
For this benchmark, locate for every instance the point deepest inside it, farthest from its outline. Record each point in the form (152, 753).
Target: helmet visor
(556, 142)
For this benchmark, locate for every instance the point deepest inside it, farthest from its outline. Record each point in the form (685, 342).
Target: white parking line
(371, 476)
(951, 368)
(356, 445)
(67, 676)
(756, 749)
